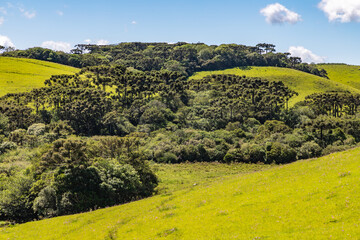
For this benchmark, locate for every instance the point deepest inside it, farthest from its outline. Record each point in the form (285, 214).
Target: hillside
(303, 83)
(345, 74)
(20, 74)
(303, 200)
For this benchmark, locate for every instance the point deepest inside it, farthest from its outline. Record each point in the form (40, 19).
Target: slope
(20, 74)
(313, 199)
(301, 82)
(342, 73)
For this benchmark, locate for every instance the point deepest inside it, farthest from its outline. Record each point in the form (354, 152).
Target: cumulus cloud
(278, 14)
(57, 46)
(6, 42)
(305, 54)
(102, 42)
(343, 11)
(27, 14)
(88, 41)
(1, 20)
(134, 22)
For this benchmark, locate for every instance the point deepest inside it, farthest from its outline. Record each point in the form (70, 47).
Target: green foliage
(72, 176)
(181, 57)
(279, 153)
(15, 204)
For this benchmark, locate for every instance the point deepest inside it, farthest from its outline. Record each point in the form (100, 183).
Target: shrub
(5, 146)
(233, 155)
(309, 150)
(168, 157)
(252, 153)
(36, 129)
(280, 153)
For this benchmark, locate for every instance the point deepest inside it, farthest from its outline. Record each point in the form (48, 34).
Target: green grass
(312, 199)
(20, 74)
(301, 82)
(345, 74)
(175, 177)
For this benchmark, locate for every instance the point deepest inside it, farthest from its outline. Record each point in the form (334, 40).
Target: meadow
(344, 74)
(301, 82)
(22, 75)
(312, 199)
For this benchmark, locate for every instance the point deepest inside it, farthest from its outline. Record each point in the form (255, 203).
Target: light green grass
(313, 199)
(20, 74)
(175, 177)
(301, 82)
(345, 74)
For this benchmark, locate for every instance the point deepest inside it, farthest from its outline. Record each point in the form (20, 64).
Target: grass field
(345, 74)
(20, 74)
(313, 199)
(301, 82)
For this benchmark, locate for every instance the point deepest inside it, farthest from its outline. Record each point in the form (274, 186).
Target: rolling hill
(20, 74)
(301, 82)
(313, 199)
(342, 73)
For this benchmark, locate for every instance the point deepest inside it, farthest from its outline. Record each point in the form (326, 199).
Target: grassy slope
(313, 199)
(345, 74)
(303, 83)
(20, 74)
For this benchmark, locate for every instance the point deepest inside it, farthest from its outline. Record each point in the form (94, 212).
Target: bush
(5, 146)
(334, 148)
(36, 129)
(15, 203)
(279, 153)
(168, 157)
(18, 136)
(252, 153)
(233, 155)
(309, 150)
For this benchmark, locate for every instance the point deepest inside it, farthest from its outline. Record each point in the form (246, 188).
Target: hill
(342, 73)
(20, 74)
(303, 200)
(301, 82)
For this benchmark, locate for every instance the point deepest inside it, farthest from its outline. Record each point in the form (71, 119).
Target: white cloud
(57, 46)
(60, 13)
(134, 22)
(1, 20)
(6, 42)
(27, 14)
(88, 41)
(305, 54)
(102, 42)
(278, 14)
(343, 11)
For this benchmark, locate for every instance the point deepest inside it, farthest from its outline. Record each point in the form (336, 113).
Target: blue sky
(328, 32)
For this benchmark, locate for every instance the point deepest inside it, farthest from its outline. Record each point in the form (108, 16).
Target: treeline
(182, 57)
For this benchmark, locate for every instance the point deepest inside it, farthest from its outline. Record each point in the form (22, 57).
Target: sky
(315, 30)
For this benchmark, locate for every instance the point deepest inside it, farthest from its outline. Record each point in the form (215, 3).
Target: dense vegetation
(83, 141)
(181, 57)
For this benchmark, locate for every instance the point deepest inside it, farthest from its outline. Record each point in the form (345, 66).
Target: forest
(181, 57)
(133, 103)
